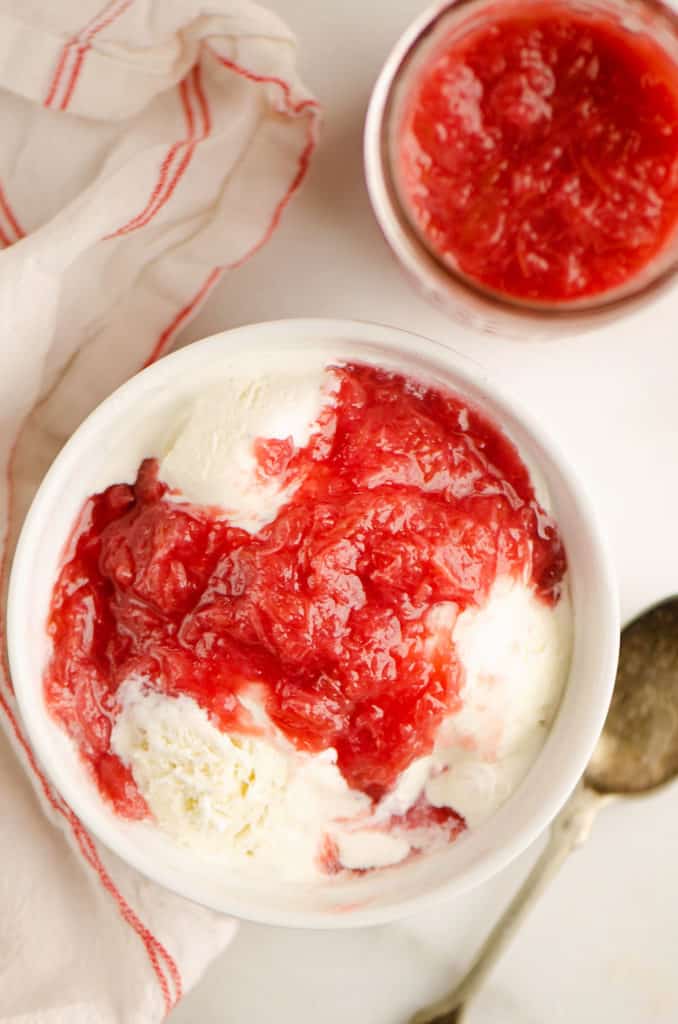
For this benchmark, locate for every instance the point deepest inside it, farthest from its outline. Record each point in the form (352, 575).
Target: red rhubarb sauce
(538, 152)
(406, 497)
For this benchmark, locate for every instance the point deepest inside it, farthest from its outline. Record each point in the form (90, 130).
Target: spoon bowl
(638, 747)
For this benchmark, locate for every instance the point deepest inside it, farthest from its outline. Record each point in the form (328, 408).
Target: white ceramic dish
(109, 445)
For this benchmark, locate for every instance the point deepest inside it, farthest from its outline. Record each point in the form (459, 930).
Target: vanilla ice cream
(240, 799)
(211, 459)
(257, 802)
(516, 654)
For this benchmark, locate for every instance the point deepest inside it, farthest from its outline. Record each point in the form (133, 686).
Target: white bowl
(109, 445)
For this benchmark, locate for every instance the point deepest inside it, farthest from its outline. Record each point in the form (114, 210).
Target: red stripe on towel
(78, 46)
(11, 218)
(166, 185)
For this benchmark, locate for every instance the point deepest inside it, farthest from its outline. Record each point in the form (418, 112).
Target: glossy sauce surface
(538, 153)
(406, 497)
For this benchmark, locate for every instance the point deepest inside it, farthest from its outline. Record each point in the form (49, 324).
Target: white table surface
(603, 944)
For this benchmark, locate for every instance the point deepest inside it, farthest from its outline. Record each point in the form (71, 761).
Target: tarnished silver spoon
(636, 753)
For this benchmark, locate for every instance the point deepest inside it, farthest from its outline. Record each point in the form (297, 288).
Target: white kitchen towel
(147, 147)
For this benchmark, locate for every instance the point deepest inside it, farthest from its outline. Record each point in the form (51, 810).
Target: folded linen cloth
(148, 147)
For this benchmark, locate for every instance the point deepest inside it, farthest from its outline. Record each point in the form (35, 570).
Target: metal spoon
(636, 753)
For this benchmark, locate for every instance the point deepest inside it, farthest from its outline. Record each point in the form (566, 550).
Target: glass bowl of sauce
(522, 159)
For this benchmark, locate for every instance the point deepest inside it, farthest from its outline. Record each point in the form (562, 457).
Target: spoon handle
(569, 829)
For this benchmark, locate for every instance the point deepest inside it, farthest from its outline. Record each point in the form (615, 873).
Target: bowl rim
(458, 367)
